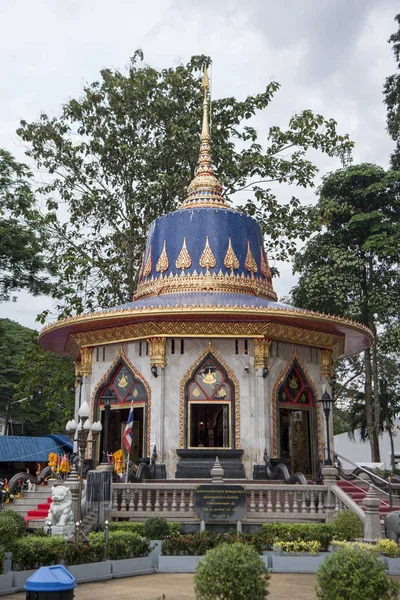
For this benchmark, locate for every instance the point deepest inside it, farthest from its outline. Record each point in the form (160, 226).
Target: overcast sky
(329, 55)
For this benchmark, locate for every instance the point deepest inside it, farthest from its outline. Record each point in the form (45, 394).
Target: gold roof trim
(183, 261)
(231, 261)
(207, 259)
(163, 262)
(206, 282)
(148, 268)
(250, 263)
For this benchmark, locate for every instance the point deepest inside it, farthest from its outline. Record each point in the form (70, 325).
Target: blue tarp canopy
(19, 448)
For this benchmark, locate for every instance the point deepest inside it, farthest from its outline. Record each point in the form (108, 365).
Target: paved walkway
(179, 587)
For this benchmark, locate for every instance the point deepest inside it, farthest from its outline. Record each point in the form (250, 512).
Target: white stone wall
(255, 391)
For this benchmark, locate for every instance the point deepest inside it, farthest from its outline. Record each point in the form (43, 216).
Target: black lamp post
(327, 402)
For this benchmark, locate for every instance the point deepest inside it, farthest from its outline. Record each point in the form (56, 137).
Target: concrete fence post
(373, 528)
(329, 474)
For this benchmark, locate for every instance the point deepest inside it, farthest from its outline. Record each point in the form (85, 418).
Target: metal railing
(390, 486)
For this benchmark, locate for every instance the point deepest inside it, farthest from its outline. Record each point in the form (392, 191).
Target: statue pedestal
(65, 530)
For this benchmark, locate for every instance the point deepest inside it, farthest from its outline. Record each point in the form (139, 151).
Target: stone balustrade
(175, 501)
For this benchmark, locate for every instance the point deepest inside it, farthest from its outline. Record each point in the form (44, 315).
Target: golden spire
(205, 189)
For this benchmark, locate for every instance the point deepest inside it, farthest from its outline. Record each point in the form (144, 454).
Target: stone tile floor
(180, 587)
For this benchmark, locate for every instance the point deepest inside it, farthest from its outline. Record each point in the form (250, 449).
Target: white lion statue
(60, 512)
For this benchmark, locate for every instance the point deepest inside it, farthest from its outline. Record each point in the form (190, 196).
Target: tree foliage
(351, 267)
(22, 264)
(391, 92)
(29, 371)
(124, 153)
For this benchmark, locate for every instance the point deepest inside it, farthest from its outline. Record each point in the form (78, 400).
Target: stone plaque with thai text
(220, 503)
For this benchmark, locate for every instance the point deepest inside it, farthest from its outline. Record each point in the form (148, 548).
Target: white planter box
(129, 567)
(19, 578)
(393, 565)
(91, 572)
(289, 563)
(178, 564)
(6, 584)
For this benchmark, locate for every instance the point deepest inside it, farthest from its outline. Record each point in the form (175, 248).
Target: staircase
(33, 506)
(358, 491)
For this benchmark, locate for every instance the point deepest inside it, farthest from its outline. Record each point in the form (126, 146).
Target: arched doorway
(123, 388)
(296, 422)
(209, 406)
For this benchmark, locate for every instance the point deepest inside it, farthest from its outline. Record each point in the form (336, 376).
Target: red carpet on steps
(40, 512)
(358, 494)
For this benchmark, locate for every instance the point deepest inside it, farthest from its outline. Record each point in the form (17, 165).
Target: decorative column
(158, 362)
(261, 367)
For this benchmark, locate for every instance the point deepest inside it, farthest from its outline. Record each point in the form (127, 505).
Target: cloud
(332, 57)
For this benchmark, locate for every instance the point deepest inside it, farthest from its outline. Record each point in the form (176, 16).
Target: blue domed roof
(205, 250)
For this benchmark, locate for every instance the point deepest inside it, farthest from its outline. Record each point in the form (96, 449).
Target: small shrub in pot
(348, 526)
(354, 574)
(156, 528)
(231, 571)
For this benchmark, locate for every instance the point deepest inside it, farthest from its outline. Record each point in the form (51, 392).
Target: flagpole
(129, 453)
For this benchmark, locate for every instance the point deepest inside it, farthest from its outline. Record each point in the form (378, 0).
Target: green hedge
(33, 552)
(155, 526)
(290, 532)
(197, 544)
(2, 557)
(12, 527)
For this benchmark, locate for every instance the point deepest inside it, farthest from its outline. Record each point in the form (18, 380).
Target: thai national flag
(127, 437)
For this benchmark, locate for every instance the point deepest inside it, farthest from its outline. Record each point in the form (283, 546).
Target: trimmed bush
(11, 528)
(298, 547)
(231, 572)
(81, 554)
(354, 574)
(16, 517)
(32, 552)
(138, 527)
(347, 526)
(123, 544)
(197, 544)
(2, 558)
(156, 528)
(133, 527)
(290, 532)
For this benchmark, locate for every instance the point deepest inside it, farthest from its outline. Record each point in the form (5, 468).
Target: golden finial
(207, 259)
(163, 262)
(183, 261)
(205, 189)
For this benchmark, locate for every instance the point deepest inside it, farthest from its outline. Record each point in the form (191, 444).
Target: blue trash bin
(50, 583)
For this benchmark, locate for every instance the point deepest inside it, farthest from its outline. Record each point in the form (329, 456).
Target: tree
(44, 379)
(124, 154)
(391, 92)
(389, 400)
(351, 267)
(22, 264)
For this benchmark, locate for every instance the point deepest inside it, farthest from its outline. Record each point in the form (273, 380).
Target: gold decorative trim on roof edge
(205, 308)
(205, 282)
(224, 329)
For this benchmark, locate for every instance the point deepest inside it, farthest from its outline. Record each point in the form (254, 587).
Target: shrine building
(213, 364)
